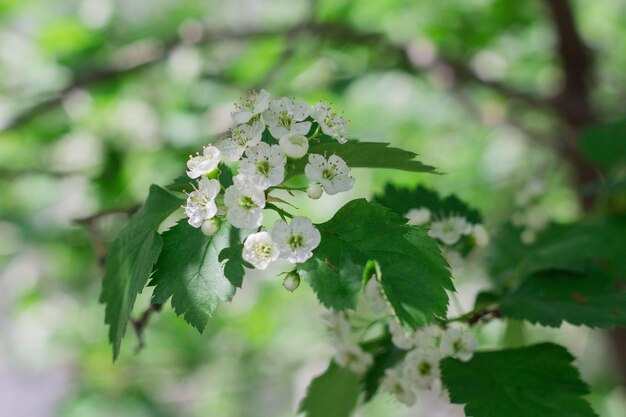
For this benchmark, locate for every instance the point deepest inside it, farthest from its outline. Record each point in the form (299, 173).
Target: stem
(316, 133)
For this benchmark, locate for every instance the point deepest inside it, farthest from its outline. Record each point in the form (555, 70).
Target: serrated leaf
(334, 393)
(401, 200)
(234, 265)
(414, 274)
(190, 272)
(534, 381)
(130, 260)
(593, 299)
(363, 155)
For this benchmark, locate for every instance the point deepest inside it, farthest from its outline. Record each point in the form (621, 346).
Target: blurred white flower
(338, 326)
(374, 295)
(253, 105)
(331, 123)
(296, 240)
(264, 165)
(394, 383)
(205, 163)
(458, 344)
(294, 146)
(480, 235)
(240, 139)
(286, 118)
(332, 174)
(244, 203)
(399, 336)
(450, 229)
(422, 366)
(260, 250)
(418, 216)
(201, 202)
(354, 358)
(426, 336)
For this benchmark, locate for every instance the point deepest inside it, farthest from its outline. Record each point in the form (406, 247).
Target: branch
(139, 325)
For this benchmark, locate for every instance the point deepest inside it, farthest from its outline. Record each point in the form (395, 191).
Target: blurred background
(101, 98)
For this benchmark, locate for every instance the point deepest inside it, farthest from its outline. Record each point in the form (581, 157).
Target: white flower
(314, 191)
(332, 174)
(374, 295)
(210, 227)
(296, 240)
(422, 366)
(450, 229)
(201, 202)
(418, 216)
(240, 139)
(331, 123)
(264, 165)
(285, 118)
(253, 105)
(399, 387)
(292, 281)
(245, 204)
(338, 327)
(426, 336)
(294, 146)
(205, 163)
(260, 250)
(458, 344)
(354, 358)
(399, 337)
(480, 235)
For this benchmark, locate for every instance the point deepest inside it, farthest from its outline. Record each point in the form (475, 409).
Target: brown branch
(139, 325)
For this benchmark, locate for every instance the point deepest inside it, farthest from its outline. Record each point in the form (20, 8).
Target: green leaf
(414, 274)
(605, 144)
(190, 272)
(334, 393)
(593, 299)
(130, 261)
(535, 381)
(233, 268)
(401, 200)
(363, 155)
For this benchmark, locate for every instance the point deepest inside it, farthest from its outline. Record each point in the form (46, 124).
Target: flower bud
(291, 281)
(314, 191)
(210, 227)
(294, 146)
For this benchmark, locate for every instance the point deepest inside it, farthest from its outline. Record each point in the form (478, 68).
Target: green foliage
(414, 273)
(130, 261)
(334, 393)
(604, 144)
(233, 268)
(534, 381)
(401, 200)
(386, 355)
(189, 271)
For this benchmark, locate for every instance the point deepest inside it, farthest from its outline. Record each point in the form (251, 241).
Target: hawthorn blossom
(399, 336)
(260, 250)
(314, 191)
(203, 164)
(201, 202)
(418, 216)
(240, 139)
(458, 344)
(394, 383)
(422, 366)
(244, 203)
(253, 105)
(374, 296)
(294, 146)
(285, 118)
(331, 173)
(296, 240)
(450, 229)
(354, 358)
(330, 122)
(338, 327)
(292, 281)
(210, 227)
(480, 235)
(264, 165)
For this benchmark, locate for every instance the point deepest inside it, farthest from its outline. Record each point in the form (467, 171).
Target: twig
(139, 325)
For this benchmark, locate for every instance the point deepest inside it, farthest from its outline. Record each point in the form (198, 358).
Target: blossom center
(264, 168)
(328, 173)
(264, 251)
(296, 241)
(247, 203)
(424, 368)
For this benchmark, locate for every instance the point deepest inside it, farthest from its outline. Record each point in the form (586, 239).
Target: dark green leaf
(130, 260)
(605, 144)
(386, 355)
(233, 268)
(334, 393)
(535, 381)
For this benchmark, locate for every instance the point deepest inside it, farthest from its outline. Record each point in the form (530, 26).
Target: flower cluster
(528, 214)
(448, 230)
(268, 133)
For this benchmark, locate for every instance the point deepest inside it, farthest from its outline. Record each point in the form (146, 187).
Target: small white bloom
(297, 239)
(426, 336)
(450, 229)
(480, 235)
(260, 250)
(285, 118)
(458, 344)
(354, 358)
(399, 336)
(314, 191)
(331, 123)
(264, 165)
(245, 203)
(294, 146)
(210, 227)
(418, 216)
(201, 202)
(240, 139)
(338, 327)
(394, 383)
(253, 105)
(205, 163)
(291, 281)
(422, 366)
(332, 174)
(374, 295)
(528, 236)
